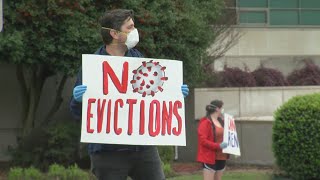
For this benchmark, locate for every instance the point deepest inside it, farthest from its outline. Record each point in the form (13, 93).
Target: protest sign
(230, 136)
(132, 101)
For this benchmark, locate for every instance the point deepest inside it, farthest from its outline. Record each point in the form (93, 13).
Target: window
(276, 12)
(310, 4)
(253, 3)
(284, 4)
(310, 17)
(253, 17)
(281, 17)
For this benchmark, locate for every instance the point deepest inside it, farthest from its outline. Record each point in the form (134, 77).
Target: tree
(184, 30)
(44, 38)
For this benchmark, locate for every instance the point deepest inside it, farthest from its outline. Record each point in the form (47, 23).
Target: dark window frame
(268, 10)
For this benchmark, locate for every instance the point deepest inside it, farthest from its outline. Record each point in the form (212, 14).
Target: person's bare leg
(218, 175)
(208, 174)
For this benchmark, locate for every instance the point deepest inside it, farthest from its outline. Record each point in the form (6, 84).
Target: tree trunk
(20, 72)
(58, 101)
(31, 114)
(35, 76)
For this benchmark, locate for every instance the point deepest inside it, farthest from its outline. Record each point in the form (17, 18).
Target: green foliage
(51, 33)
(296, 137)
(56, 33)
(57, 172)
(32, 173)
(63, 142)
(166, 153)
(74, 173)
(58, 143)
(15, 173)
(167, 169)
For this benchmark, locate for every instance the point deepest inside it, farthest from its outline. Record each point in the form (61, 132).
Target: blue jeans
(118, 165)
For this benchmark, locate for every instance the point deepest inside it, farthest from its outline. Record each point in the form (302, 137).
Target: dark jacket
(76, 110)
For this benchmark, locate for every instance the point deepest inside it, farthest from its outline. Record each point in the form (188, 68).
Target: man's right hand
(78, 92)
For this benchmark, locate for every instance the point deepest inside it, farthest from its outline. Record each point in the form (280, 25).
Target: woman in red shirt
(210, 142)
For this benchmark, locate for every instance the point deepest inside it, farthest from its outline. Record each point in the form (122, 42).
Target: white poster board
(230, 136)
(130, 100)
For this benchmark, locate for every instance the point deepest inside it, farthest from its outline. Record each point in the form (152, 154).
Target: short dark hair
(113, 19)
(212, 107)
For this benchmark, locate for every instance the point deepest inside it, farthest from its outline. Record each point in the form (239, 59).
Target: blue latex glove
(223, 145)
(185, 90)
(78, 92)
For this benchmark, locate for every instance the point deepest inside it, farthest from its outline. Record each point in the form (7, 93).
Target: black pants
(141, 165)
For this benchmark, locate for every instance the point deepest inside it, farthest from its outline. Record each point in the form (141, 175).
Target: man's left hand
(185, 90)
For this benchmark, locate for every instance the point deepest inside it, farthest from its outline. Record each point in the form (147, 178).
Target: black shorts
(218, 166)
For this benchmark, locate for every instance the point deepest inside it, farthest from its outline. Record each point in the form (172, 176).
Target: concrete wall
(277, 42)
(11, 107)
(10, 97)
(280, 48)
(253, 109)
(249, 102)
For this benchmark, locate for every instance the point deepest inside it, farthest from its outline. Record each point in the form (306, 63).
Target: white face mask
(132, 39)
(222, 111)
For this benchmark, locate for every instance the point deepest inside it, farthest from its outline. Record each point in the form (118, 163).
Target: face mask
(132, 39)
(222, 111)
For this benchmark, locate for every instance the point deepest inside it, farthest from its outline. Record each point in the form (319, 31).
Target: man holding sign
(115, 159)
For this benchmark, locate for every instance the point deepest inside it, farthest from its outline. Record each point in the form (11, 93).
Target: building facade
(274, 33)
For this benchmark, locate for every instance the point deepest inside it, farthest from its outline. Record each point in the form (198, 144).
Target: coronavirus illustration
(148, 79)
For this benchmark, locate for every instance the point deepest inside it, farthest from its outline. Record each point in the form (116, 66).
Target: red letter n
(108, 71)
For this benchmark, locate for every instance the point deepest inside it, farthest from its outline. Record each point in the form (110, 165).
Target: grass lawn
(233, 176)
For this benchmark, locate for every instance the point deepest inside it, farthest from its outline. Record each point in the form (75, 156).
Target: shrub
(166, 153)
(58, 143)
(235, 77)
(75, 173)
(296, 137)
(167, 169)
(269, 77)
(57, 172)
(15, 173)
(32, 173)
(308, 75)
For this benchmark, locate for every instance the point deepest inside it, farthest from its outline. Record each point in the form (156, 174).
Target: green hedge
(57, 143)
(166, 153)
(56, 172)
(296, 137)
